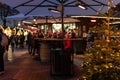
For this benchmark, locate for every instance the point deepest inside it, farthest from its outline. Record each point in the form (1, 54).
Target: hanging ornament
(108, 38)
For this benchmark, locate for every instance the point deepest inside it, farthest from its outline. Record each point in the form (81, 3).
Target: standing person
(36, 45)
(49, 34)
(29, 39)
(68, 44)
(11, 46)
(12, 41)
(16, 40)
(61, 34)
(2, 50)
(90, 40)
(73, 36)
(40, 34)
(22, 39)
(68, 51)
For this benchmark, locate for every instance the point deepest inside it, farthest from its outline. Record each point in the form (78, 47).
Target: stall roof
(40, 7)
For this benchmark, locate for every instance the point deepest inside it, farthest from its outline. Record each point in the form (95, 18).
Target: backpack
(4, 41)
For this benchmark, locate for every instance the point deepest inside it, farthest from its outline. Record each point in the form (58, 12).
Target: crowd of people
(12, 42)
(33, 43)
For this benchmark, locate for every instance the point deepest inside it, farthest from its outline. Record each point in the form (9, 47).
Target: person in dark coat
(22, 39)
(12, 41)
(29, 40)
(90, 40)
(2, 50)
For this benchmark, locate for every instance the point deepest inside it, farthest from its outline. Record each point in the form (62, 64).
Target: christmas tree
(104, 57)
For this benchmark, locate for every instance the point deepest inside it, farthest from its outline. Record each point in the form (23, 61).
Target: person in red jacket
(68, 51)
(67, 43)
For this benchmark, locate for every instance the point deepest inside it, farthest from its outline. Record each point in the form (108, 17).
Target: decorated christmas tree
(104, 57)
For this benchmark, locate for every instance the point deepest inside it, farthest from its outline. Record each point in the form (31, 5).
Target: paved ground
(24, 67)
(8, 56)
